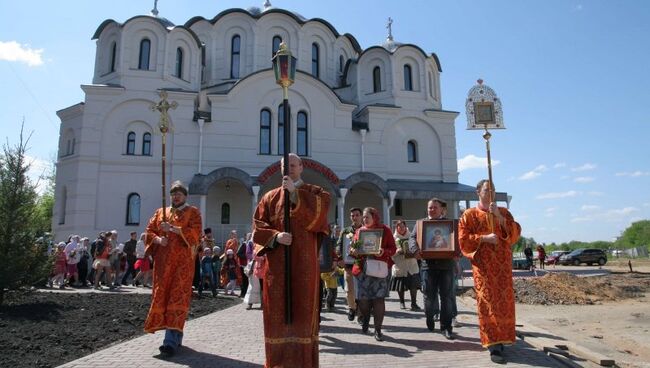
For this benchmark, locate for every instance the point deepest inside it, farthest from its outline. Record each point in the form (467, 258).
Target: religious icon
(370, 241)
(484, 113)
(437, 238)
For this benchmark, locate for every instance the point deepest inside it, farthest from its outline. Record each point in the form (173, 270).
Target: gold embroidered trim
(317, 214)
(289, 340)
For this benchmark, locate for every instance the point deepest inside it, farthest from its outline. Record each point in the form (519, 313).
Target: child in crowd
(330, 280)
(206, 272)
(60, 266)
(216, 266)
(142, 263)
(230, 273)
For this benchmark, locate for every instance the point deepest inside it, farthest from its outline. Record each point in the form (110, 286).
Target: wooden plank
(564, 360)
(593, 356)
(554, 350)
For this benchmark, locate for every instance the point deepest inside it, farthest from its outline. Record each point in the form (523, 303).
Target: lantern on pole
(284, 67)
(483, 109)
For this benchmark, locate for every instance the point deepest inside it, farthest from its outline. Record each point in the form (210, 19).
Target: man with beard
(172, 243)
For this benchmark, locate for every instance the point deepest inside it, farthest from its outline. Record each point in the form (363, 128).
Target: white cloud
(37, 171)
(589, 207)
(559, 165)
(596, 193)
(634, 174)
(557, 195)
(550, 211)
(585, 167)
(474, 162)
(534, 173)
(13, 51)
(584, 179)
(616, 214)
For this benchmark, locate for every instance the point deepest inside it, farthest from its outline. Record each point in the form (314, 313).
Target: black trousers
(442, 281)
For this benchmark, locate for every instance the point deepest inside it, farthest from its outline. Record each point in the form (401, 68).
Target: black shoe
(431, 325)
(447, 334)
(166, 351)
(365, 324)
(379, 336)
(351, 314)
(415, 307)
(497, 357)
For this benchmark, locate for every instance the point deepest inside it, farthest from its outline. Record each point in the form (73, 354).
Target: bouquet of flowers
(357, 267)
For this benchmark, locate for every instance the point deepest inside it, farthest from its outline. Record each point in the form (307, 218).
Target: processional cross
(163, 107)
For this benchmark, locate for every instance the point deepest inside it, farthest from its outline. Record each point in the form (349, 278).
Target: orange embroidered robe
(173, 269)
(294, 345)
(492, 268)
(230, 244)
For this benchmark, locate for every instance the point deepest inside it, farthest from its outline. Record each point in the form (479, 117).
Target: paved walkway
(234, 338)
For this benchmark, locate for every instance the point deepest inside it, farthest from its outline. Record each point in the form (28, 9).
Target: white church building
(368, 123)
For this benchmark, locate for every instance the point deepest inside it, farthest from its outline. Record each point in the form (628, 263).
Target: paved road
(234, 338)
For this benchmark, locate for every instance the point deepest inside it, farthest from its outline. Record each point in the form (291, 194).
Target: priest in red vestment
(486, 235)
(296, 344)
(172, 244)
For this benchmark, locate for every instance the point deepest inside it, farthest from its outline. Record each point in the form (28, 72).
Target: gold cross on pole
(163, 107)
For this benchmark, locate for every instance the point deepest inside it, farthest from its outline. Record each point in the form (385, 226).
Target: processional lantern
(284, 67)
(484, 112)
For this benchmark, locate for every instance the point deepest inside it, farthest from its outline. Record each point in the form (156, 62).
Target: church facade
(369, 123)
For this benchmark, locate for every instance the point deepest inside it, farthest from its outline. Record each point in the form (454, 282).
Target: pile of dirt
(47, 329)
(565, 288)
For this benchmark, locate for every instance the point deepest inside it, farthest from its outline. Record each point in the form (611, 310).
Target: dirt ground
(46, 329)
(606, 314)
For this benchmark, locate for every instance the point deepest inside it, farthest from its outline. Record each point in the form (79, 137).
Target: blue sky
(573, 78)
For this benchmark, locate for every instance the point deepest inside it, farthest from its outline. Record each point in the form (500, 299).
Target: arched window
(265, 132)
(341, 63)
(235, 48)
(64, 199)
(146, 144)
(130, 144)
(74, 142)
(430, 85)
(281, 128)
(376, 79)
(145, 50)
(179, 63)
(412, 151)
(113, 56)
(408, 78)
(133, 209)
(225, 213)
(302, 140)
(277, 40)
(315, 60)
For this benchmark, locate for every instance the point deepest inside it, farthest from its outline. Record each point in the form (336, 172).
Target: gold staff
(163, 107)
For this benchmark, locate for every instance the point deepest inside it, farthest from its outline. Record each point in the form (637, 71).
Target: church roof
(164, 22)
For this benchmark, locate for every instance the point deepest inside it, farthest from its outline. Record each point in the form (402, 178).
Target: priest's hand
(495, 211)
(161, 240)
(490, 238)
(287, 184)
(284, 238)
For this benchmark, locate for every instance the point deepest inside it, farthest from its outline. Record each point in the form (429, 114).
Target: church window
(408, 78)
(412, 151)
(341, 63)
(179, 63)
(301, 135)
(145, 50)
(276, 45)
(235, 50)
(225, 213)
(113, 57)
(133, 209)
(315, 56)
(64, 199)
(265, 132)
(130, 143)
(376, 79)
(146, 144)
(430, 85)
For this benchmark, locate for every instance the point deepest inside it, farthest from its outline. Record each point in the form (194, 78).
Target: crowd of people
(260, 263)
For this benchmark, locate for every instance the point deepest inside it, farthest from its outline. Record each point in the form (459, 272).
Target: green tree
(21, 261)
(636, 235)
(45, 204)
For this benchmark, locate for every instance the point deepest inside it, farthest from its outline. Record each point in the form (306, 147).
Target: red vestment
(492, 269)
(294, 345)
(173, 269)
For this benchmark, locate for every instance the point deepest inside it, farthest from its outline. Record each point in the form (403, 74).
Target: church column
(388, 204)
(363, 154)
(201, 122)
(254, 199)
(202, 207)
(341, 205)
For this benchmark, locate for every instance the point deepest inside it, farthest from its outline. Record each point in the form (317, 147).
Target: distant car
(520, 264)
(589, 256)
(554, 258)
